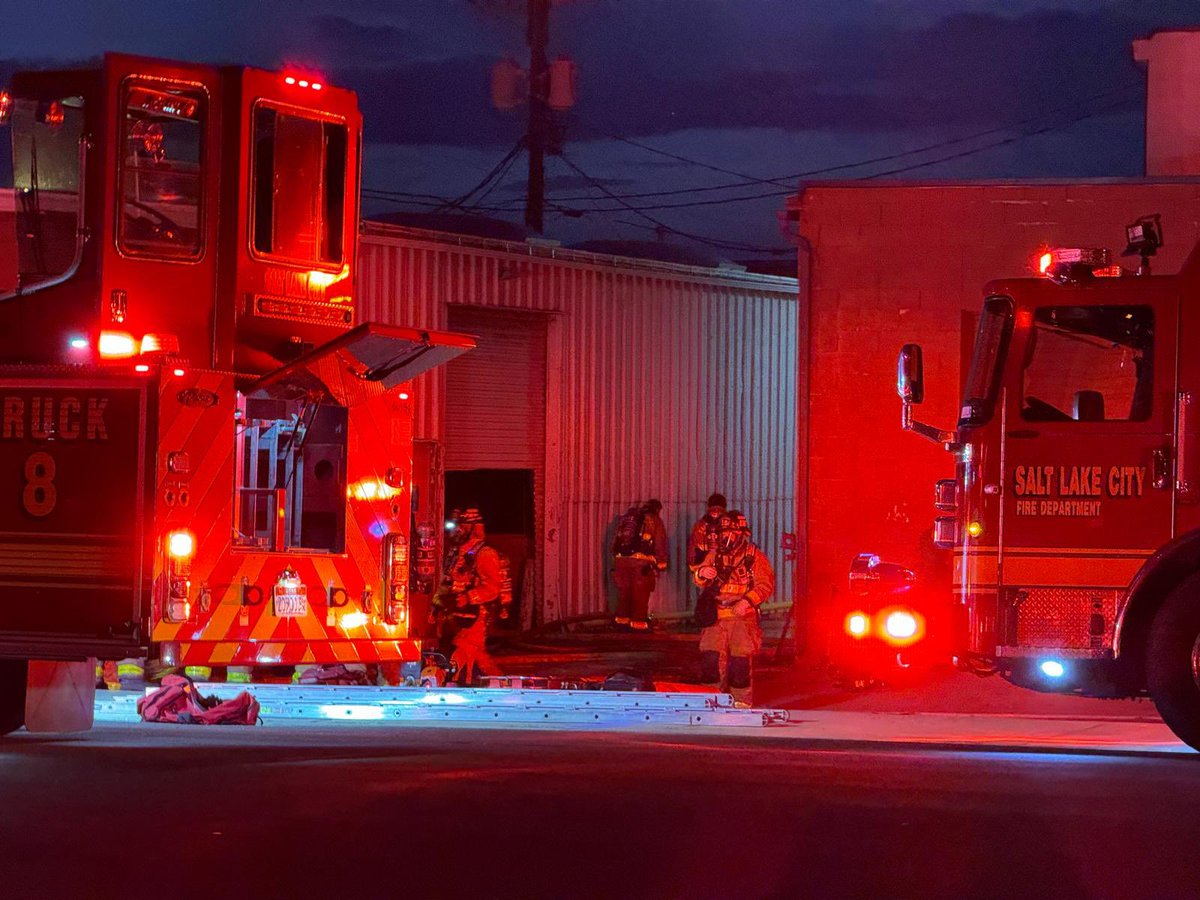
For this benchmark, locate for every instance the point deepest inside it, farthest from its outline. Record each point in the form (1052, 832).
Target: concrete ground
(673, 657)
(384, 811)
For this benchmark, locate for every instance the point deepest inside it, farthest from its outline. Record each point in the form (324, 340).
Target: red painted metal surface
(221, 209)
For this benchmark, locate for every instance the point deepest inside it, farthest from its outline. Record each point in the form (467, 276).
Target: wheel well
(1150, 587)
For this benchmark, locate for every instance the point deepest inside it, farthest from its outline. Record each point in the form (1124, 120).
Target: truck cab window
(162, 131)
(1089, 364)
(291, 475)
(299, 187)
(41, 191)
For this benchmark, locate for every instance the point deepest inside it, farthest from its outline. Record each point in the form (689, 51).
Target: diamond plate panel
(1064, 618)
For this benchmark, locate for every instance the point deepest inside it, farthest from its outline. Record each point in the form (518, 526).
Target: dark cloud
(669, 65)
(443, 101)
(338, 39)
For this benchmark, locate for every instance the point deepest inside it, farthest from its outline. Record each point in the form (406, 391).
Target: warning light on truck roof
(296, 81)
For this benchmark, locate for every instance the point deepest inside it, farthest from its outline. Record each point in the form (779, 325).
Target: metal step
(327, 704)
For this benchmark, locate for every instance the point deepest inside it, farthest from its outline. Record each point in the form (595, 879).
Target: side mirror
(910, 374)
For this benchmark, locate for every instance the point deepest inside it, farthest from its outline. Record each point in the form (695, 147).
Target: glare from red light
(857, 624)
(1045, 261)
(403, 395)
(141, 367)
(289, 80)
(117, 344)
(181, 544)
(316, 85)
(303, 82)
(900, 625)
(178, 373)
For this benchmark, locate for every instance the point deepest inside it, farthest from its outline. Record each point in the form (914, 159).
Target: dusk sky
(767, 88)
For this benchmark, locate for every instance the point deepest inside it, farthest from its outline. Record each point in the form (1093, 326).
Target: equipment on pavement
(326, 704)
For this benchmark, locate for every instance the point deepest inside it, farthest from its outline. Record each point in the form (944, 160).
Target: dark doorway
(505, 499)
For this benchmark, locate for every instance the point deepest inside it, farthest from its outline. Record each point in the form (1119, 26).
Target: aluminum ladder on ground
(325, 704)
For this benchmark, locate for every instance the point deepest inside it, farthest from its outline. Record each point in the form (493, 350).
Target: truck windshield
(41, 191)
(1089, 364)
(983, 378)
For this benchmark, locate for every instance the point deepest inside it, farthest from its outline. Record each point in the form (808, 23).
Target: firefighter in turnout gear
(704, 533)
(639, 551)
(470, 596)
(735, 580)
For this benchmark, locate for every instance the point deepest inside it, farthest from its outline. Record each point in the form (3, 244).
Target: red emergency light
(117, 345)
(900, 626)
(304, 82)
(1068, 265)
(6, 103)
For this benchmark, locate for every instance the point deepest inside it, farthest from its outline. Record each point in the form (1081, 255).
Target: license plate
(291, 603)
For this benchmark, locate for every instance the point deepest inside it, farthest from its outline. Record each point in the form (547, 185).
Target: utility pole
(537, 35)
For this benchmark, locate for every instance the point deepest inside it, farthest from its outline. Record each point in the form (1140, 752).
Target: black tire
(12, 694)
(1173, 663)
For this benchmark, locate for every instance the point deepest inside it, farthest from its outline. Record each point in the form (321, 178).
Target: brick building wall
(882, 265)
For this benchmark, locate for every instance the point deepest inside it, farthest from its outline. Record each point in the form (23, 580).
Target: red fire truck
(1074, 512)
(206, 459)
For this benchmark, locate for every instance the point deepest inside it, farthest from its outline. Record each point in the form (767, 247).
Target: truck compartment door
(363, 363)
(73, 504)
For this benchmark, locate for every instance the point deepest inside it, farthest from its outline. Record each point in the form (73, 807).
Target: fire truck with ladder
(1074, 510)
(202, 457)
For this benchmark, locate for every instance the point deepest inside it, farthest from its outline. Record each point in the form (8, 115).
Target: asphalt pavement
(817, 808)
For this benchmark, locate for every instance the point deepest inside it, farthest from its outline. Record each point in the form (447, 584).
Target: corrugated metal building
(611, 379)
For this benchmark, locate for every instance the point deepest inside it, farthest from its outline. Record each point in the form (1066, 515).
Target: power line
(499, 180)
(748, 180)
(487, 179)
(783, 180)
(751, 179)
(719, 201)
(723, 245)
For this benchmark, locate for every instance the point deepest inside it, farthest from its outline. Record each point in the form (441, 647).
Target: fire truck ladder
(304, 705)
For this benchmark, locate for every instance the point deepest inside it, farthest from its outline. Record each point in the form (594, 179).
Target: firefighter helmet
(733, 531)
(466, 523)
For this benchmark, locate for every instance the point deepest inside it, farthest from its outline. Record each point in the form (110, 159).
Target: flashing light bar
(295, 81)
(1064, 265)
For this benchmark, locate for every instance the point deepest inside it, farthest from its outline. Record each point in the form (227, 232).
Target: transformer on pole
(547, 88)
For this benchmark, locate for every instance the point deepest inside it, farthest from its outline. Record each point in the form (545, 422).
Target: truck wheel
(1173, 661)
(12, 694)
